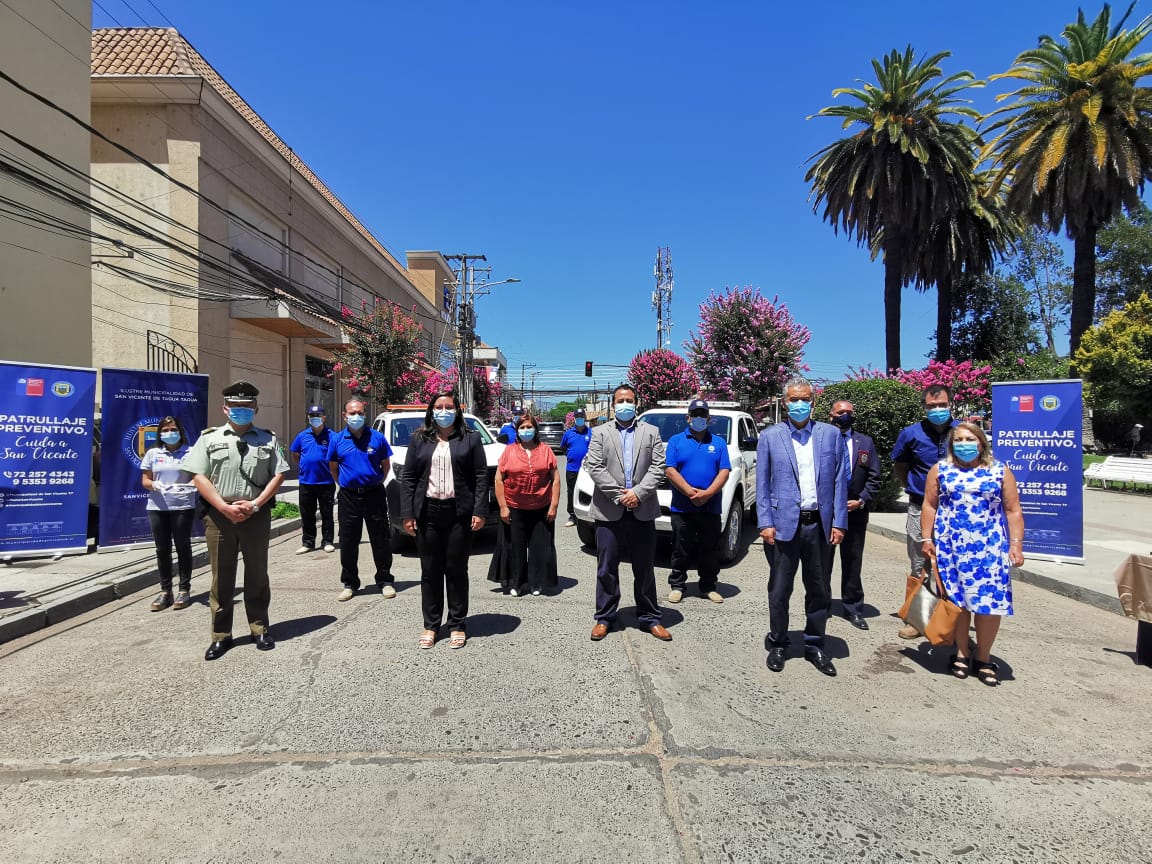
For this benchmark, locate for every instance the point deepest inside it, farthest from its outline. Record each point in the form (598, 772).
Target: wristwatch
(255, 508)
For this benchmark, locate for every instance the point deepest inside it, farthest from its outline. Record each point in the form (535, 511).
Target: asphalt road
(347, 744)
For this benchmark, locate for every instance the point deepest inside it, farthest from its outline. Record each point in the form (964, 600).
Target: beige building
(45, 269)
(238, 259)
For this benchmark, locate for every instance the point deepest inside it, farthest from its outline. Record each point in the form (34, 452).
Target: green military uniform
(239, 466)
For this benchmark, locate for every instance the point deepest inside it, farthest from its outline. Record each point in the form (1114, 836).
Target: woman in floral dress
(974, 529)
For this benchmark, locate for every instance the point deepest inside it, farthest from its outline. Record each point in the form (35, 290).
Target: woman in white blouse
(171, 507)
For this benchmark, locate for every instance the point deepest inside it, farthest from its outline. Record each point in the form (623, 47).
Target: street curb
(97, 594)
(1073, 592)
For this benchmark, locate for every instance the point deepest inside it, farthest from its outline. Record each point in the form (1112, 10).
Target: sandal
(458, 640)
(986, 671)
(958, 666)
(427, 640)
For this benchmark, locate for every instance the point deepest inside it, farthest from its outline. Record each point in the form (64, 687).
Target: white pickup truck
(738, 430)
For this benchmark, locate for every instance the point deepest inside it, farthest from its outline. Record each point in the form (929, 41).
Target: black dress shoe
(776, 659)
(264, 642)
(821, 661)
(857, 621)
(218, 648)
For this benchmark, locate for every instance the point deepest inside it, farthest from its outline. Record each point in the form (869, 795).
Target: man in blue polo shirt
(917, 449)
(575, 445)
(697, 466)
(507, 433)
(309, 454)
(359, 458)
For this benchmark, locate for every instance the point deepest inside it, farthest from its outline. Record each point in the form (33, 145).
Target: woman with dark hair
(528, 491)
(171, 507)
(973, 527)
(443, 501)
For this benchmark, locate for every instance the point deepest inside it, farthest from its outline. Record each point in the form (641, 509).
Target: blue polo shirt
(920, 446)
(698, 463)
(313, 450)
(508, 429)
(359, 458)
(575, 444)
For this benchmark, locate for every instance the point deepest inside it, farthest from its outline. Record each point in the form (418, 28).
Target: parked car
(552, 433)
(728, 422)
(398, 424)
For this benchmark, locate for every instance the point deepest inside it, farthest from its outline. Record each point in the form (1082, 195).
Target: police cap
(240, 391)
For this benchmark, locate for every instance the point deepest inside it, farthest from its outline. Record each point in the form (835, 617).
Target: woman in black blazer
(443, 501)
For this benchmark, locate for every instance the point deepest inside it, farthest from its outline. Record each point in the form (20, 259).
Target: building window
(320, 384)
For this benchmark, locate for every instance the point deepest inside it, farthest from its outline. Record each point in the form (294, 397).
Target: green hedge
(883, 408)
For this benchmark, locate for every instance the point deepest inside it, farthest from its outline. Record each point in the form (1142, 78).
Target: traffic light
(588, 369)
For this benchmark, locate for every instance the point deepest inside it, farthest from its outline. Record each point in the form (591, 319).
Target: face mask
(800, 411)
(966, 451)
(444, 417)
(580, 422)
(939, 416)
(315, 422)
(170, 437)
(698, 424)
(625, 411)
(241, 416)
(845, 421)
(355, 421)
(527, 434)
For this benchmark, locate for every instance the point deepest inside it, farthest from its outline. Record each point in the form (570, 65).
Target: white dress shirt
(805, 466)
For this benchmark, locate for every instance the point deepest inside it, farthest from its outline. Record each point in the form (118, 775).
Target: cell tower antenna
(662, 296)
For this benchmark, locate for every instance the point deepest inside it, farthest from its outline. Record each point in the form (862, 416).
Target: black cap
(240, 391)
(697, 405)
(579, 412)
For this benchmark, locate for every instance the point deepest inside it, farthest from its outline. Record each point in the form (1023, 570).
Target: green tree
(1075, 145)
(562, 409)
(991, 319)
(905, 168)
(1039, 264)
(1123, 260)
(1115, 359)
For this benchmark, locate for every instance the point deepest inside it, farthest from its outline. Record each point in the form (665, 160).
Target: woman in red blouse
(528, 492)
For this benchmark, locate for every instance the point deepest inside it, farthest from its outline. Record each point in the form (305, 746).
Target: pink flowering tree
(658, 373)
(486, 393)
(384, 350)
(971, 384)
(746, 346)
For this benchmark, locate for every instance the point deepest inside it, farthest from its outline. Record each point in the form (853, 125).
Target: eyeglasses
(315, 415)
(697, 413)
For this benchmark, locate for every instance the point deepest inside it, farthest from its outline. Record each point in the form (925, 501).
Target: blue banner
(1037, 429)
(133, 402)
(46, 454)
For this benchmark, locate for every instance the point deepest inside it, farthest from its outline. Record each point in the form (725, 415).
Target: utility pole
(466, 323)
(524, 366)
(662, 296)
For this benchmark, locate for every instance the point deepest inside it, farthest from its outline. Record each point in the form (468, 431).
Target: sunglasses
(315, 415)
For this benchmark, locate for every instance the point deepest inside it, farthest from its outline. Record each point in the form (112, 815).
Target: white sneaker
(570, 523)
(346, 595)
(675, 596)
(304, 550)
(715, 596)
(387, 591)
(535, 592)
(514, 593)
(328, 547)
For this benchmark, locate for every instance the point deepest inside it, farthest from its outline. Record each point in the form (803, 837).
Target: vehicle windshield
(400, 434)
(669, 424)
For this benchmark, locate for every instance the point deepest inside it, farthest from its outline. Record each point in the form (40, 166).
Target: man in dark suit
(801, 505)
(863, 485)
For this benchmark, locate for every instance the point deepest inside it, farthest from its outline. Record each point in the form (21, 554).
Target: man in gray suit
(802, 508)
(626, 463)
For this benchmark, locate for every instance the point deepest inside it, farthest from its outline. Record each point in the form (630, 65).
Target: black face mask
(845, 421)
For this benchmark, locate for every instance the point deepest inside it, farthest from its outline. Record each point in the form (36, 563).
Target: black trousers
(851, 563)
(173, 528)
(570, 484)
(695, 540)
(444, 541)
(638, 538)
(810, 552)
(313, 496)
(360, 508)
(533, 538)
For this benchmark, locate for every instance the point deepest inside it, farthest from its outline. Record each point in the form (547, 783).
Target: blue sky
(568, 142)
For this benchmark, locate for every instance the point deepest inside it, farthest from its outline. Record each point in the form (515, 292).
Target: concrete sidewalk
(36, 593)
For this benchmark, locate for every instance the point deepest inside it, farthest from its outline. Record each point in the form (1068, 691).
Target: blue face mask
(315, 422)
(581, 422)
(444, 417)
(172, 437)
(966, 451)
(526, 434)
(355, 421)
(698, 424)
(799, 411)
(241, 416)
(625, 411)
(939, 416)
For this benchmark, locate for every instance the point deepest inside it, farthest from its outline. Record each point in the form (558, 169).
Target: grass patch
(285, 510)
(1091, 458)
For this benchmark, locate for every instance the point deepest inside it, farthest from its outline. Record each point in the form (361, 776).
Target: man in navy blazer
(863, 486)
(802, 507)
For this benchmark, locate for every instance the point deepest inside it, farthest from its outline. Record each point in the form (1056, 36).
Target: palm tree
(903, 172)
(1076, 142)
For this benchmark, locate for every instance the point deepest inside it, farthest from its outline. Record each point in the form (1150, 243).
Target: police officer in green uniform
(237, 469)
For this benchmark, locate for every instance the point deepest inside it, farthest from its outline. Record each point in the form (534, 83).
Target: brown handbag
(941, 627)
